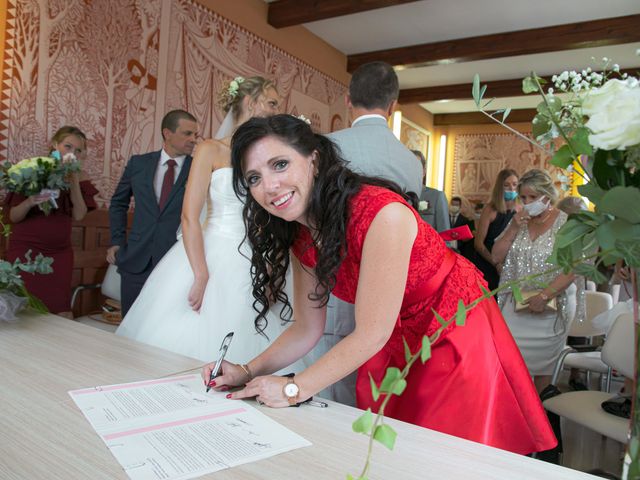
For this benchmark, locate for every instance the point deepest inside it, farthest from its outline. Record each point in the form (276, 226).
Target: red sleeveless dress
(475, 385)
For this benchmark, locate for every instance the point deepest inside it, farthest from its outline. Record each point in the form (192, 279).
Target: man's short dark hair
(456, 199)
(373, 85)
(171, 119)
(420, 156)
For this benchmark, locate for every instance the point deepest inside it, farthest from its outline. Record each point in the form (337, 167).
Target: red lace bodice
(428, 254)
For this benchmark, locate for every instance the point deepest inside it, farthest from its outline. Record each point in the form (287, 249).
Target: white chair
(591, 286)
(584, 407)
(587, 357)
(110, 286)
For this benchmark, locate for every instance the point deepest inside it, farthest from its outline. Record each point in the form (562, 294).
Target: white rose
(423, 205)
(614, 114)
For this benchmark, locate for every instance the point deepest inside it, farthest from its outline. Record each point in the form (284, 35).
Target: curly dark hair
(271, 237)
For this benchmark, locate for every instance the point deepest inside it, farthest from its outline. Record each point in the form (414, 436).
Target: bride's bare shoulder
(211, 146)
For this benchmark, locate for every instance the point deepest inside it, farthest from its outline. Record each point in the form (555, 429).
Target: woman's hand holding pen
(230, 375)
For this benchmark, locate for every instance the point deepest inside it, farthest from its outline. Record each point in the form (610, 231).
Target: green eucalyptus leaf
(506, 114)
(630, 251)
(485, 293)
(622, 202)
(425, 351)
(580, 142)
(517, 294)
(563, 157)
(540, 125)
(399, 387)
(407, 350)
(385, 435)
(441, 320)
(390, 376)
(461, 314)
(375, 393)
(475, 89)
(363, 423)
(529, 85)
(483, 89)
(616, 230)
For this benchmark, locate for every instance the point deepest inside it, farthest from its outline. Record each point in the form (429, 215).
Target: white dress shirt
(369, 115)
(162, 169)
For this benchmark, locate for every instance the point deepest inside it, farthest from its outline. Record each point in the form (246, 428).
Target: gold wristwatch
(291, 391)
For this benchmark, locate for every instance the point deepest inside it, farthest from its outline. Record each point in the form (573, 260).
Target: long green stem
(515, 132)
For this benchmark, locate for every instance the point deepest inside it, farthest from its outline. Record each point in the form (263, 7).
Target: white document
(170, 428)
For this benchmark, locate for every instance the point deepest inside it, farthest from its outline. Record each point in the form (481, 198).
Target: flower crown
(232, 90)
(304, 119)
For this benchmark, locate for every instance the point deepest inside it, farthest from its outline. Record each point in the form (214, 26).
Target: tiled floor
(583, 449)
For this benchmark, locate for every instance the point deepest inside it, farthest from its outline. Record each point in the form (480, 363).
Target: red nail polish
(212, 383)
(228, 395)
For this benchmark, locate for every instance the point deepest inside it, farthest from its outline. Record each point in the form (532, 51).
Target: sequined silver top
(526, 257)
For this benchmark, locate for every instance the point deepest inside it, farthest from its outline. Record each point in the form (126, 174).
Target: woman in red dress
(51, 234)
(358, 238)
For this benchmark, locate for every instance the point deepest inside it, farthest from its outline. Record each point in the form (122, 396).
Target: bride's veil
(226, 127)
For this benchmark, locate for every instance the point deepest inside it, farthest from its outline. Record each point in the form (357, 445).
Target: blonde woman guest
(493, 220)
(539, 330)
(201, 289)
(51, 234)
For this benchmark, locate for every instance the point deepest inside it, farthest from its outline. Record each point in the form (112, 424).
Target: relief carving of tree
(109, 35)
(54, 18)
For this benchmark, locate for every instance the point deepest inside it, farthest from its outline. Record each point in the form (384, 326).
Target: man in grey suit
(157, 182)
(433, 207)
(370, 148)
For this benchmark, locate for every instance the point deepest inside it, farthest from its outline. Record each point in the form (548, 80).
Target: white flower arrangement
(232, 90)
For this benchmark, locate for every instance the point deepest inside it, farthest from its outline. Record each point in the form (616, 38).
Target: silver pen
(221, 354)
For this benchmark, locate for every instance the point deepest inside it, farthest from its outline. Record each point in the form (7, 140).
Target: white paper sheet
(169, 428)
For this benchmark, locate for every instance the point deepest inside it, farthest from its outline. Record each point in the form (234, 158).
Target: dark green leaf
(385, 435)
(407, 350)
(375, 393)
(630, 250)
(622, 202)
(563, 157)
(391, 376)
(461, 314)
(592, 191)
(591, 272)
(540, 125)
(363, 423)
(425, 351)
(571, 231)
(580, 142)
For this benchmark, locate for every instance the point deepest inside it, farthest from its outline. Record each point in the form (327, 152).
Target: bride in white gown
(201, 289)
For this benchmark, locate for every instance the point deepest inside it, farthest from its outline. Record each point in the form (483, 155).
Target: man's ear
(347, 100)
(392, 108)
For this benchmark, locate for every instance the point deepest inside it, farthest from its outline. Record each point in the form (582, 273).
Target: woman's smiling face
(280, 179)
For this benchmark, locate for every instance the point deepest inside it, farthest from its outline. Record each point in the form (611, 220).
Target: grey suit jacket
(437, 213)
(371, 149)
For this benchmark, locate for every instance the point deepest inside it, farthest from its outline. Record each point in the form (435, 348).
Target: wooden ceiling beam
(524, 115)
(286, 13)
(594, 33)
(462, 91)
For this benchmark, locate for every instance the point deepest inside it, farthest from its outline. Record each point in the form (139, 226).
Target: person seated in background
(51, 234)
(493, 220)
(461, 214)
(358, 238)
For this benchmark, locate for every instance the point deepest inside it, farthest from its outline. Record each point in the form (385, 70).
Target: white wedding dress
(161, 315)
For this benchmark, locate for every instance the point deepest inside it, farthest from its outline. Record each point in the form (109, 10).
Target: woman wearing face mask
(493, 220)
(540, 328)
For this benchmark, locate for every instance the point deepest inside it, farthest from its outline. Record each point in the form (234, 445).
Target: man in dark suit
(157, 182)
(433, 204)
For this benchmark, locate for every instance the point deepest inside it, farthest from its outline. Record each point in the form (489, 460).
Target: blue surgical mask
(510, 195)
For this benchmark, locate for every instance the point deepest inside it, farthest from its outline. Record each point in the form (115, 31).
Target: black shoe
(577, 385)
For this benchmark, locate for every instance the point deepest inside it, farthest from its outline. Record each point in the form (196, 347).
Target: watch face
(291, 390)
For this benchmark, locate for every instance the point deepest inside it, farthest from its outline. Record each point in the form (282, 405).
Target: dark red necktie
(167, 182)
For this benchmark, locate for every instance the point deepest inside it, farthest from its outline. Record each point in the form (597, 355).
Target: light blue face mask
(510, 195)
